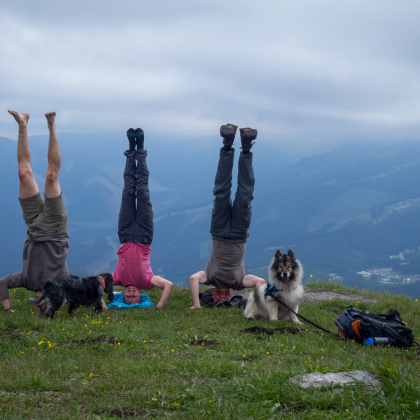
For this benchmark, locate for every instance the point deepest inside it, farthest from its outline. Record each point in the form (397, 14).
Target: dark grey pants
(135, 224)
(232, 221)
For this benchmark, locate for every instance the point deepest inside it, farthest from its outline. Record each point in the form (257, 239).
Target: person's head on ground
(222, 293)
(132, 295)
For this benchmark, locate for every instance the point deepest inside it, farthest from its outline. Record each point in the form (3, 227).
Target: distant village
(393, 275)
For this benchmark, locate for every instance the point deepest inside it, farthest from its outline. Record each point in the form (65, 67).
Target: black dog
(76, 291)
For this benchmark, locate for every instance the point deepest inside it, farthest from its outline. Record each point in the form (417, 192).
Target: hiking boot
(139, 138)
(131, 138)
(228, 133)
(247, 137)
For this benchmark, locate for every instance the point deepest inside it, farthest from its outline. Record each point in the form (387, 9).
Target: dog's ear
(278, 255)
(291, 255)
(109, 286)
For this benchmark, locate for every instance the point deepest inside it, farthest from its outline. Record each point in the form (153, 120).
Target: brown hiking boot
(247, 137)
(228, 133)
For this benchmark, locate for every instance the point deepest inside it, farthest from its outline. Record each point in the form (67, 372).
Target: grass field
(181, 364)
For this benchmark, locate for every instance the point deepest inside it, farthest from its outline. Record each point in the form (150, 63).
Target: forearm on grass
(165, 295)
(6, 304)
(167, 287)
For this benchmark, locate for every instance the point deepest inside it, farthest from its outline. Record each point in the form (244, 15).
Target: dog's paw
(297, 322)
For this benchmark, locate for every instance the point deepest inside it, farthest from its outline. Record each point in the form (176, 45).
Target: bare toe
(50, 116)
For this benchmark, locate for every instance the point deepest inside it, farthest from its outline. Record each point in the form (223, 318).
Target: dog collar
(270, 290)
(103, 281)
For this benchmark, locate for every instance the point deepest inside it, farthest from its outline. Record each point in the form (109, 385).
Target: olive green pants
(44, 217)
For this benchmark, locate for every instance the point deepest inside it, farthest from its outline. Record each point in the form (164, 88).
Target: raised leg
(27, 183)
(222, 204)
(52, 186)
(127, 217)
(144, 214)
(241, 209)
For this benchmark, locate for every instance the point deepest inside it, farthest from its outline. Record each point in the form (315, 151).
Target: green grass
(148, 360)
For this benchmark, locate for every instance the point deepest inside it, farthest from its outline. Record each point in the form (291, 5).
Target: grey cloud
(299, 71)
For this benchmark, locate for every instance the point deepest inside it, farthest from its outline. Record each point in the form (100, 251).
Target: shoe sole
(249, 133)
(228, 130)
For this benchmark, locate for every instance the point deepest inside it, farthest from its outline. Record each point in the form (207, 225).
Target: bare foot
(196, 307)
(50, 116)
(21, 119)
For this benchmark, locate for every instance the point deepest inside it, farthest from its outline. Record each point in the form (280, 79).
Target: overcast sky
(297, 70)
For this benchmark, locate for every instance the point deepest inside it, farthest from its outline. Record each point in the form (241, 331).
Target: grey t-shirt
(225, 267)
(44, 257)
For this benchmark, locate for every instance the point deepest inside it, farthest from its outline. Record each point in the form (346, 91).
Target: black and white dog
(285, 274)
(76, 291)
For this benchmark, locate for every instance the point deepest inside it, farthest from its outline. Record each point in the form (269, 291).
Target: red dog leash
(103, 281)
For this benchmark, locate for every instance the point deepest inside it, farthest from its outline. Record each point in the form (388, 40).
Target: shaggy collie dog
(285, 274)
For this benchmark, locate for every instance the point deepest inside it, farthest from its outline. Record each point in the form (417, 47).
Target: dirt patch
(123, 412)
(313, 295)
(12, 333)
(91, 341)
(271, 331)
(204, 343)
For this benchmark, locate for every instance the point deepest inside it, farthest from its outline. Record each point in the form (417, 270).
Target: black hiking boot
(228, 133)
(139, 138)
(131, 138)
(247, 137)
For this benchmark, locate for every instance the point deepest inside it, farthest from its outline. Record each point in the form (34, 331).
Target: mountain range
(340, 211)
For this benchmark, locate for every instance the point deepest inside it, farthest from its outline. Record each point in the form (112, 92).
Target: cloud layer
(299, 71)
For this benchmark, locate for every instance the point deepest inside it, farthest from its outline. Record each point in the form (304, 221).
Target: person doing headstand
(135, 228)
(47, 240)
(229, 222)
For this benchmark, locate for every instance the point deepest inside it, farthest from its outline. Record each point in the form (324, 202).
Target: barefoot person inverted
(135, 228)
(229, 223)
(47, 240)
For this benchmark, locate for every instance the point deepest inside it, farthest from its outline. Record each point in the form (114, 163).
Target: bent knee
(24, 171)
(52, 174)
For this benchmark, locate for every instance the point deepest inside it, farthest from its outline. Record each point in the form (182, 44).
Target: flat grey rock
(317, 379)
(313, 295)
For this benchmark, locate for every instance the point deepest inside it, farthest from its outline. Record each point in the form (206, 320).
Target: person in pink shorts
(135, 228)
